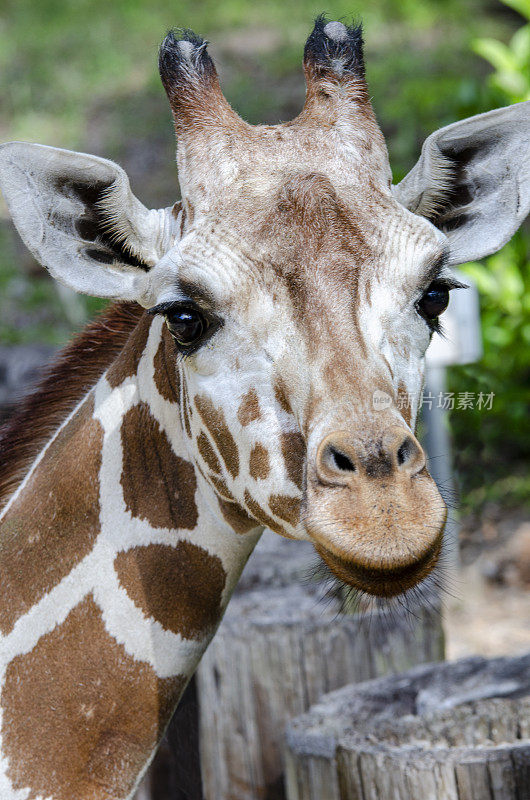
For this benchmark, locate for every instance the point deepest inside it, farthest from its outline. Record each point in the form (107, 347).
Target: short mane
(66, 380)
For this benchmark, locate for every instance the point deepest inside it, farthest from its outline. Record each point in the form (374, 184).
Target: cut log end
(457, 731)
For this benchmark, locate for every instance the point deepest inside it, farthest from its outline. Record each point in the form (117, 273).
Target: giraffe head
(299, 292)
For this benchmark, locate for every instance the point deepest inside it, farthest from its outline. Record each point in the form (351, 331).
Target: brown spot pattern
(215, 422)
(158, 485)
(259, 466)
(404, 404)
(294, 453)
(221, 487)
(207, 452)
(287, 508)
(235, 516)
(127, 362)
(262, 516)
(280, 394)
(186, 410)
(96, 713)
(167, 376)
(54, 522)
(178, 586)
(249, 409)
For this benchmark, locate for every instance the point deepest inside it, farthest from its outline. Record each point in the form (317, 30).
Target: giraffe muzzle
(373, 511)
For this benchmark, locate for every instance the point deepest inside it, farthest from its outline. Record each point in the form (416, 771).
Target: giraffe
(232, 386)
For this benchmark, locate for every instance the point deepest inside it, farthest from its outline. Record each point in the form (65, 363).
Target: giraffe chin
(379, 581)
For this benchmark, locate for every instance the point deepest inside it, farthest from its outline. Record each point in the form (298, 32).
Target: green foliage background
(82, 75)
(498, 470)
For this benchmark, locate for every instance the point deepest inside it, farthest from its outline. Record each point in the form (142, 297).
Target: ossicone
(334, 71)
(335, 50)
(183, 56)
(190, 79)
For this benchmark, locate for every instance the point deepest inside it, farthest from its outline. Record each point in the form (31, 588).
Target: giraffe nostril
(341, 461)
(404, 452)
(409, 455)
(335, 460)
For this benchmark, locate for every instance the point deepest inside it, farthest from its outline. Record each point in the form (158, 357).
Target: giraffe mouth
(382, 581)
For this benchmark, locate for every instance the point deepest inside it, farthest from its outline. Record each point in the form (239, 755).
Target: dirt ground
(488, 609)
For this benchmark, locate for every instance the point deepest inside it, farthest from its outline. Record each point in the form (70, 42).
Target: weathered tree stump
(277, 651)
(452, 731)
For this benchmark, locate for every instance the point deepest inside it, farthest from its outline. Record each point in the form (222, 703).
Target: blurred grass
(83, 76)
(60, 63)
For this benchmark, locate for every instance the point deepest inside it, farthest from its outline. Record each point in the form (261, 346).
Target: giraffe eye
(186, 325)
(434, 301)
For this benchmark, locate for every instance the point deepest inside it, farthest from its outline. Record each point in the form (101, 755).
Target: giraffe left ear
(78, 216)
(473, 181)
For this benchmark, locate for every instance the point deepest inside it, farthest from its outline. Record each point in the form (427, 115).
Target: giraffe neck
(116, 566)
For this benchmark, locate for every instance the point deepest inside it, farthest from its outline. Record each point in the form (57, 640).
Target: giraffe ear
(77, 215)
(473, 181)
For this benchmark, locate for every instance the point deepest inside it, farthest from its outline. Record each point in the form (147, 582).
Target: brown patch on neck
(235, 516)
(158, 485)
(176, 209)
(215, 422)
(249, 409)
(259, 466)
(167, 375)
(53, 523)
(180, 587)
(96, 713)
(75, 371)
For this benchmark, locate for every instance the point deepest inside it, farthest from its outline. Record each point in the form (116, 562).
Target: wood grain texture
(451, 731)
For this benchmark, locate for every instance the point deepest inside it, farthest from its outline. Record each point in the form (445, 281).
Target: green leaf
(522, 6)
(512, 83)
(497, 53)
(520, 46)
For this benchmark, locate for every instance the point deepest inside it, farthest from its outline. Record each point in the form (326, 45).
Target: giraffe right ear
(473, 181)
(77, 215)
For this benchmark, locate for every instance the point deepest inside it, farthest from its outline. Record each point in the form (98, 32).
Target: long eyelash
(169, 305)
(452, 283)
